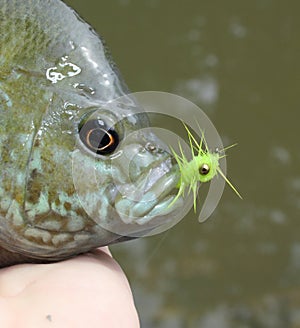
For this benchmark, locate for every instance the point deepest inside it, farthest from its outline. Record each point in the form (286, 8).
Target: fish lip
(157, 173)
(158, 186)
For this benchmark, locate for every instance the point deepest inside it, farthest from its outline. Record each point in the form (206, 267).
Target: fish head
(131, 170)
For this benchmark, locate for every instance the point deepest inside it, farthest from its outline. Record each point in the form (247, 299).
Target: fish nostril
(151, 147)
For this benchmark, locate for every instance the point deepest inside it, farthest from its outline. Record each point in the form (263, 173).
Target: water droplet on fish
(72, 44)
(84, 88)
(70, 106)
(64, 69)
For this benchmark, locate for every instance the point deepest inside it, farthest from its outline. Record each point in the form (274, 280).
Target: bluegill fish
(56, 81)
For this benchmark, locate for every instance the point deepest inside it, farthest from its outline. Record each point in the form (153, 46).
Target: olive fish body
(56, 81)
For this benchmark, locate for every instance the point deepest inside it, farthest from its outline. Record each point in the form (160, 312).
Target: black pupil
(98, 137)
(204, 169)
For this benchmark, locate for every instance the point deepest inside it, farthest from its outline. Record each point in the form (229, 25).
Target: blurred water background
(239, 61)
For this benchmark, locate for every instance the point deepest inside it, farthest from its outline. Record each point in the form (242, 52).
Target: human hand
(90, 290)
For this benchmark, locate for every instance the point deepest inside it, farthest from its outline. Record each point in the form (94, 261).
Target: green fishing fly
(203, 167)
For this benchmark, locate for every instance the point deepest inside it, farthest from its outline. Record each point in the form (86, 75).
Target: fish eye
(98, 137)
(204, 169)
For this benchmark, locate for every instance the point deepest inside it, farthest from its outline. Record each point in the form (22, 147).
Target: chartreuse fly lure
(203, 167)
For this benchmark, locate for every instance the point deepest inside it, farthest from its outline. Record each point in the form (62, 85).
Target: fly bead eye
(98, 138)
(204, 169)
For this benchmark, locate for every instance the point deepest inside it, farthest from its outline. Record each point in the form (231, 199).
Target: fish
(69, 152)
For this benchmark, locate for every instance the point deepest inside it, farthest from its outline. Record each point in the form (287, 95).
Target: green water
(239, 61)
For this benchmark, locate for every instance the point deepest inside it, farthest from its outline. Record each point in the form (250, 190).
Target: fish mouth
(146, 201)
